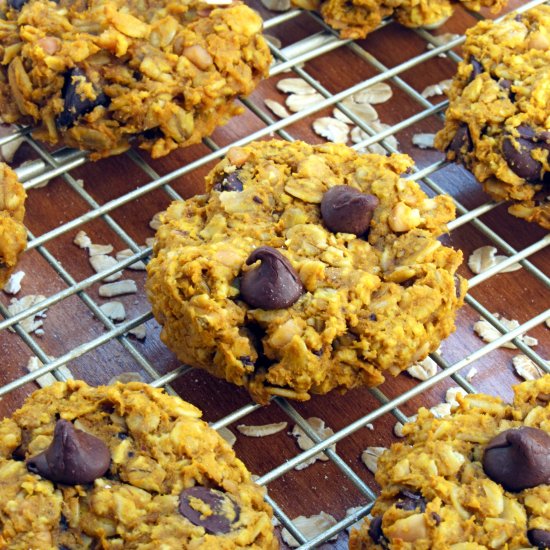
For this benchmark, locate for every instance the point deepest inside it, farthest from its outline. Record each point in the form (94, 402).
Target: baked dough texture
(13, 236)
(371, 305)
(356, 18)
(94, 74)
(159, 447)
(497, 124)
(435, 493)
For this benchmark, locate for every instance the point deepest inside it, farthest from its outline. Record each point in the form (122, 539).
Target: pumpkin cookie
(356, 18)
(123, 466)
(303, 269)
(13, 236)
(497, 123)
(95, 74)
(479, 478)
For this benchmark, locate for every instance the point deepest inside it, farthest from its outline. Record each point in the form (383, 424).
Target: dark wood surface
(70, 323)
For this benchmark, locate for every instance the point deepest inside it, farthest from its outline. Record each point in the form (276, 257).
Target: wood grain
(70, 323)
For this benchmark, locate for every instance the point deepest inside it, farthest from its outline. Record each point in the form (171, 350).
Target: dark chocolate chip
(246, 360)
(410, 501)
(274, 284)
(436, 517)
(223, 512)
(317, 352)
(518, 458)
(477, 68)
(505, 84)
(461, 142)
(520, 160)
(375, 530)
(74, 104)
(527, 132)
(18, 453)
(63, 523)
(17, 4)
(257, 199)
(122, 435)
(539, 538)
(73, 458)
(229, 183)
(345, 209)
(373, 317)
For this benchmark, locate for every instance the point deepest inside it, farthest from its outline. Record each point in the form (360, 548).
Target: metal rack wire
(292, 57)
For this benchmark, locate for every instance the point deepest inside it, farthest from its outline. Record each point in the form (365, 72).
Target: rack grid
(303, 58)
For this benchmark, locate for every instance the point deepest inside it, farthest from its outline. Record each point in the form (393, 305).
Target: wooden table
(96, 350)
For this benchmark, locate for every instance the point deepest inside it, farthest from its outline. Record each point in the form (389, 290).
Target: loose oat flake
(332, 129)
(526, 368)
(437, 89)
(47, 379)
(485, 257)
(276, 108)
(423, 369)
(297, 102)
(114, 310)
(263, 430)
(305, 443)
(423, 141)
(370, 457)
(488, 333)
(310, 527)
(295, 86)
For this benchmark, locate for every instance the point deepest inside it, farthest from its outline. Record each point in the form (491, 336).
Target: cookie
(13, 236)
(122, 466)
(358, 18)
(303, 269)
(497, 122)
(479, 478)
(99, 73)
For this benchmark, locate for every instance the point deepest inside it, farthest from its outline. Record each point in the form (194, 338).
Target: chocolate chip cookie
(122, 466)
(497, 123)
(355, 19)
(303, 269)
(96, 74)
(13, 236)
(479, 478)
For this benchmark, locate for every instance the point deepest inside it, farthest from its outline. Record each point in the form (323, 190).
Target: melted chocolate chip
(375, 531)
(411, 501)
(73, 458)
(75, 105)
(17, 4)
(246, 360)
(230, 182)
(539, 538)
(222, 511)
(519, 159)
(436, 517)
(274, 284)
(345, 209)
(477, 68)
(519, 458)
(461, 142)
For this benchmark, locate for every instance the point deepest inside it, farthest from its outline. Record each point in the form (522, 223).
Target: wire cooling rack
(78, 335)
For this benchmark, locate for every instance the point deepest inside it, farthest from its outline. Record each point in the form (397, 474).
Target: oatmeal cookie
(497, 123)
(356, 18)
(303, 269)
(479, 478)
(13, 236)
(95, 74)
(122, 466)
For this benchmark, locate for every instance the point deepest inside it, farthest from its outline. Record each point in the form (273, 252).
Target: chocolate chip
(73, 458)
(436, 517)
(518, 458)
(505, 84)
(461, 142)
(411, 501)
(75, 105)
(517, 154)
(17, 4)
(229, 183)
(375, 531)
(246, 360)
(221, 511)
(274, 284)
(477, 68)
(345, 209)
(458, 286)
(539, 538)
(317, 352)
(257, 199)
(63, 523)
(373, 317)
(122, 435)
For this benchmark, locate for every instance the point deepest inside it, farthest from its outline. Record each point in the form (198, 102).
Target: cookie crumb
(310, 527)
(13, 286)
(114, 310)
